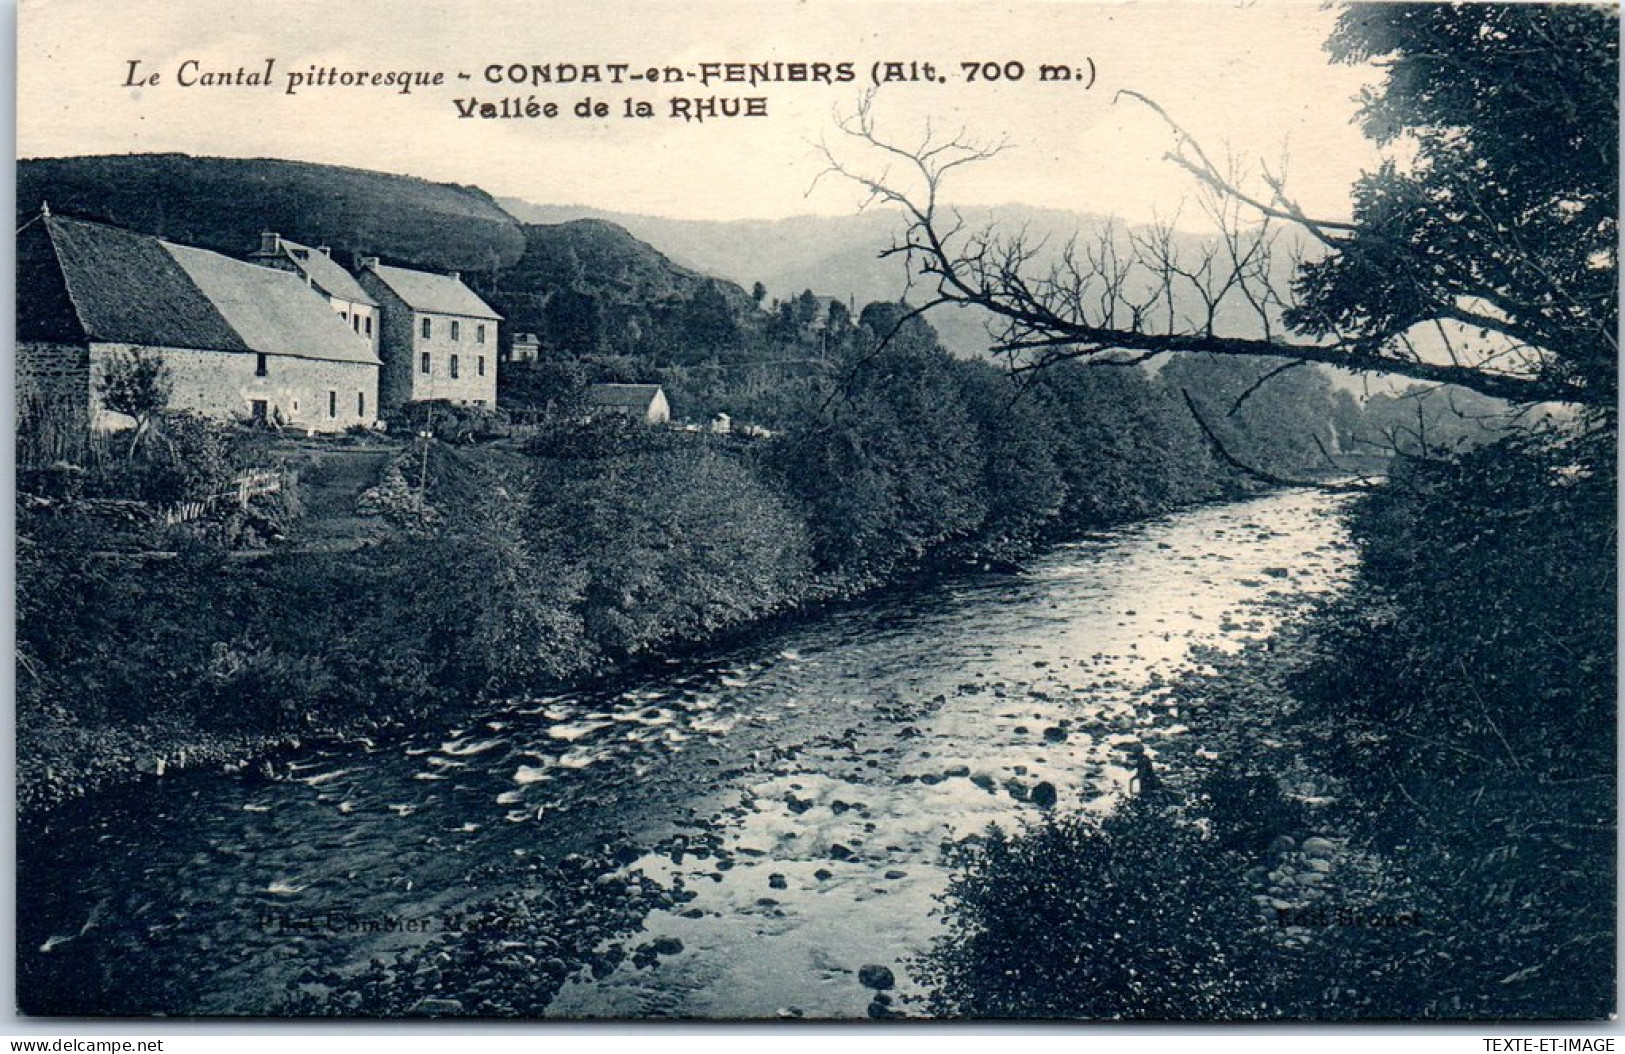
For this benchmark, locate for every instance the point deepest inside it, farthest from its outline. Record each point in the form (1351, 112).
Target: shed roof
(443, 294)
(640, 396)
(325, 272)
(273, 311)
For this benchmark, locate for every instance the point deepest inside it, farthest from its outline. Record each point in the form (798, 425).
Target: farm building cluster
(286, 336)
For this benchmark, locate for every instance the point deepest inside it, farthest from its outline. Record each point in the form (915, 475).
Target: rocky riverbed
(762, 833)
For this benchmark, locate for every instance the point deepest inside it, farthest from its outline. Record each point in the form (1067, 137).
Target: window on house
(456, 330)
(260, 365)
(369, 325)
(423, 364)
(361, 404)
(481, 366)
(332, 404)
(479, 334)
(428, 328)
(355, 320)
(454, 367)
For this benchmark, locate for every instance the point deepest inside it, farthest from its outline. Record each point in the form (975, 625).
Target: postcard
(845, 510)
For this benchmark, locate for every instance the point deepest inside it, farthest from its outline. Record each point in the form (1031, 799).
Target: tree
(137, 385)
(1487, 261)
(575, 322)
(707, 322)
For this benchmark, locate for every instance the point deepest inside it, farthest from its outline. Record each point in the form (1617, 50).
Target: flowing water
(795, 798)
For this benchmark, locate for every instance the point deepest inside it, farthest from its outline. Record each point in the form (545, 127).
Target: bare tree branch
(1127, 295)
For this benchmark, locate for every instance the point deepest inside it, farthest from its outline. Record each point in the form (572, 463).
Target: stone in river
(1282, 844)
(1054, 734)
(839, 852)
(1319, 847)
(777, 881)
(1043, 795)
(663, 946)
(877, 977)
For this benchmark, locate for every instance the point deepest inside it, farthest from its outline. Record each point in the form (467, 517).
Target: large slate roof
(442, 294)
(125, 288)
(274, 312)
(79, 280)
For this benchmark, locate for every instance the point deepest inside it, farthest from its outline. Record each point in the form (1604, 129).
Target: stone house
(643, 402)
(240, 341)
(526, 348)
(324, 274)
(438, 339)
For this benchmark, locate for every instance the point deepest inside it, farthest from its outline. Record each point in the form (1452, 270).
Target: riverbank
(63, 758)
(1408, 794)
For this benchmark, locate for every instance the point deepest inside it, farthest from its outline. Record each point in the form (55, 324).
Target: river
(776, 816)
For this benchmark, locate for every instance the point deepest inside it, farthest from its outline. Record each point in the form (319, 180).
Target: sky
(1248, 79)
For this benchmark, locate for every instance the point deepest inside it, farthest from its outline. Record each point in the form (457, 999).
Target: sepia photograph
(851, 510)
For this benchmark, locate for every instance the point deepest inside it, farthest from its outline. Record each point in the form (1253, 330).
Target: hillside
(590, 287)
(224, 203)
(835, 256)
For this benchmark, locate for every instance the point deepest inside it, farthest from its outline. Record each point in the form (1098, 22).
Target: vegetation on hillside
(225, 203)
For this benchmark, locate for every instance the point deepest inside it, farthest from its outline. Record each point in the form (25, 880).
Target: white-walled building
(438, 339)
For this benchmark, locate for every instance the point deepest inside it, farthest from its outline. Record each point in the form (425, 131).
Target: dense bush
(672, 545)
(1137, 915)
(1475, 671)
(446, 420)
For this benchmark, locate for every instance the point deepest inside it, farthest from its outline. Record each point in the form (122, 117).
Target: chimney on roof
(44, 207)
(325, 250)
(457, 276)
(270, 243)
(368, 263)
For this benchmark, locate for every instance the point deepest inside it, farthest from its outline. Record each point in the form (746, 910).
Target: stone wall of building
(402, 346)
(52, 372)
(394, 343)
(473, 362)
(311, 394)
